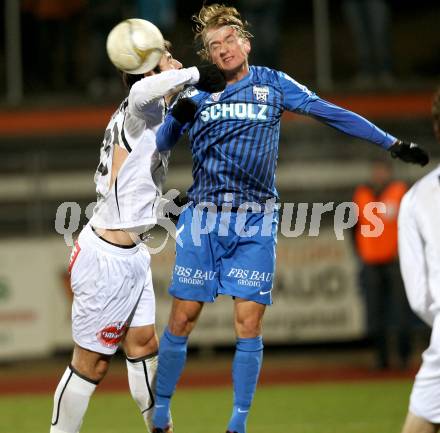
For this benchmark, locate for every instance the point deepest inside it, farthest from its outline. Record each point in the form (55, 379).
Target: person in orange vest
(386, 304)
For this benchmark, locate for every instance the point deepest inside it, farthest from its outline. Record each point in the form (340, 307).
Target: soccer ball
(135, 46)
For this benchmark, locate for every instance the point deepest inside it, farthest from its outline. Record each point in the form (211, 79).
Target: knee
(100, 369)
(151, 345)
(141, 342)
(94, 371)
(248, 327)
(181, 324)
(142, 349)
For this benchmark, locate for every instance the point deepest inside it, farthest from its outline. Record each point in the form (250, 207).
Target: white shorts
(425, 395)
(113, 290)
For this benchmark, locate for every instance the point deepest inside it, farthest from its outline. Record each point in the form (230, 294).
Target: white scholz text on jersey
(239, 110)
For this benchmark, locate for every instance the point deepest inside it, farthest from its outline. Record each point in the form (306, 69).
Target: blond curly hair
(215, 16)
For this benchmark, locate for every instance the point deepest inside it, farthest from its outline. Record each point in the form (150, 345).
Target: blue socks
(172, 358)
(245, 372)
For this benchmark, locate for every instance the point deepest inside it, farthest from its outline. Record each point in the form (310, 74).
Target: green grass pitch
(369, 407)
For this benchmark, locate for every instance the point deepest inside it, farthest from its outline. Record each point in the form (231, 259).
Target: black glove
(211, 79)
(184, 110)
(409, 152)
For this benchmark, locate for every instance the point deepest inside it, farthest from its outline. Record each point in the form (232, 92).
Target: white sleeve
(413, 264)
(154, 87)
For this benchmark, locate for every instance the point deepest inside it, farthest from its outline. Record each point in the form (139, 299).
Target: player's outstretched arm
(207, 78)
(357, 126)
(299, 99)
(154, 87)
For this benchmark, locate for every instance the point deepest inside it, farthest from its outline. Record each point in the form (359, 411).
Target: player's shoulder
(279, 79)
(425, 187)
(263, 74)
(122, 106)
(430, 179)
(119, 111)
(262, 71)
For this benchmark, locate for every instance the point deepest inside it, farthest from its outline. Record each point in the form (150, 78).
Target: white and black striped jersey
(129, 203)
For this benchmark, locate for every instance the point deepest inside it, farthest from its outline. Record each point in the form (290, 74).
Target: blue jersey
(235, 134)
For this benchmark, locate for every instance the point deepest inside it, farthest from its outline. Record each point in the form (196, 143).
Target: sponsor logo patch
(195, 277)
(112, 334)
(251, 278)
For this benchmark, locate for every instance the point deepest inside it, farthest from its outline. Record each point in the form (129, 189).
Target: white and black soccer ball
(135, 46)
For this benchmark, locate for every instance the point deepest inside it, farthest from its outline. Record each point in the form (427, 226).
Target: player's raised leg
(248, 317)
(75, 389)
(172, 356)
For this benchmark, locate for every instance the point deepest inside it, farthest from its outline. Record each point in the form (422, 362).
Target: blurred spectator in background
(381, 284)
(265, 16)
(369, 21)
(160, 12)
(29, 32)
(55, 53)
(103, 15)
(419, 250)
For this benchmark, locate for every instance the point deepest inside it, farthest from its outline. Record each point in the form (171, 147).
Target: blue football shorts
(229, 253)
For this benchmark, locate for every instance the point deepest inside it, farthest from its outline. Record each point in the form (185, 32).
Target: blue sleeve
(349, 122)
(295, 95)
(300, 99)
(169, 133)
